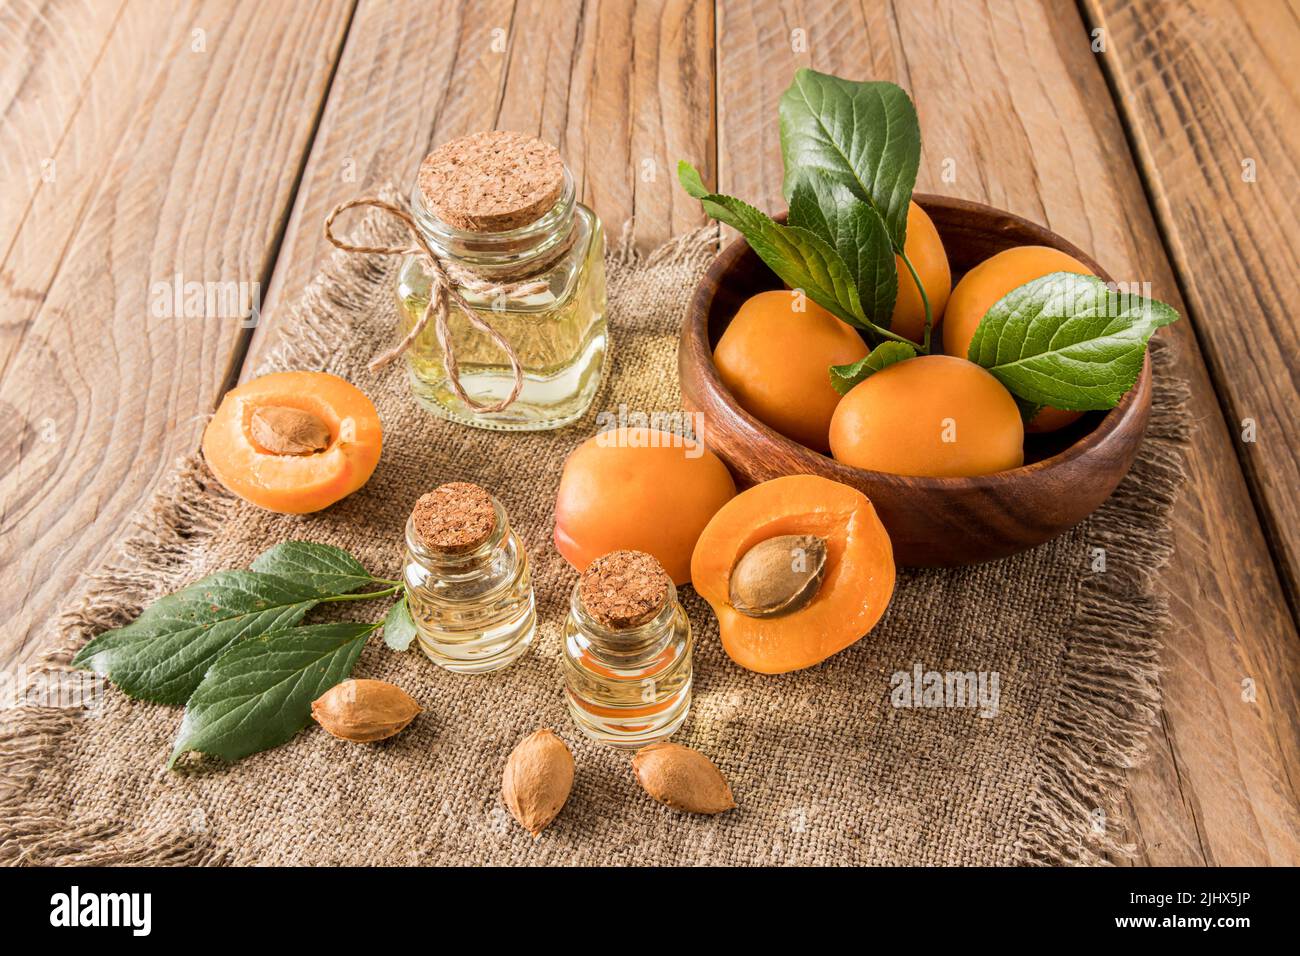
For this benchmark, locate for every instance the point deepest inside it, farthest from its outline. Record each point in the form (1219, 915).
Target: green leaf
(163, 655)
(259, 693)
(857, 233)
(800, 258)
(862, 136)
(1066, 340)
(325, 569)
(844, 377)
(399, 628)
(1028, 409)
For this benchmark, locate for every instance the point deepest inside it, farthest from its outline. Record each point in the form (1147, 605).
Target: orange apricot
(825, 583)
(775, 357)
(991, 280)
(294, 442)
(925, 250)
(933, 415)
(1049, 419)
(638, 489)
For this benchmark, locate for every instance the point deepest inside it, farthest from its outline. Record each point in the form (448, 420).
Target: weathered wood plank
(1209, 93)
(47, 51)
(623, 90)
(179, 156)
(1015, 112)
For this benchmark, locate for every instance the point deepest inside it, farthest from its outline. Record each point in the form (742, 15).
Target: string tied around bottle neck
(442, 295)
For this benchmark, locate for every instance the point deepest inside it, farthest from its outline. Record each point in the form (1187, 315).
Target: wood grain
(622, 89)
(1015, 112)
(1210, 94)
(47, 51)
(162, 167)
(166, 159)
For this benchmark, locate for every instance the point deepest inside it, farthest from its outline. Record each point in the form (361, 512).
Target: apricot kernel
(288, 431)
(778, 576)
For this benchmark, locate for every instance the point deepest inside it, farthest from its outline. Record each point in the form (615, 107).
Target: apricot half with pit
(294, 442)
(796, 569)
(638, 489)
(775, 357)
(988, 282)
(933, 415)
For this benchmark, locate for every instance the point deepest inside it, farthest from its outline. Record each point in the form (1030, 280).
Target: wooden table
(207, 139)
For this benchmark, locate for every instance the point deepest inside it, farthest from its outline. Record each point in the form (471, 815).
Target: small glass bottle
(627, 652)
(500, 211)
(467, 581)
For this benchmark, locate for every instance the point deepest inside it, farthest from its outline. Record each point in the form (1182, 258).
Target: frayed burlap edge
(1110, 699)
(1107, 705)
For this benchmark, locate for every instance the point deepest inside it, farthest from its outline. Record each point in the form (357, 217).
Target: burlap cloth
(824, 769)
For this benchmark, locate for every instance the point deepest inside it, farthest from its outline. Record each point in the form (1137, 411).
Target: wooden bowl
(932, 521)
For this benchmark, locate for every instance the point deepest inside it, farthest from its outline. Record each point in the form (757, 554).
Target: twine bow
(441, 293)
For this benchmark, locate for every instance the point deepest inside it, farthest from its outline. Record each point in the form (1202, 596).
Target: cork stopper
(454, 518)
(624, 589)
(491, 182)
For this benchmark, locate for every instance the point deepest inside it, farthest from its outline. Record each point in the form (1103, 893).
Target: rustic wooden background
(139, 140)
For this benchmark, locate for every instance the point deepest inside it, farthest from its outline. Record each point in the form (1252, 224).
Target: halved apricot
(294, 442)
(775, 357)
(991, 280)
(638, 489)
(832, 606)
(933, 415)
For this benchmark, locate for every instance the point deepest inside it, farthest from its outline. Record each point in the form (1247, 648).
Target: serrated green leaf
(1067, 341)
(325, 569)
(258, 694)
(797, 256)
(163, 655)
(845, 377)
(863, 136)
(857, 233)
(399, 627)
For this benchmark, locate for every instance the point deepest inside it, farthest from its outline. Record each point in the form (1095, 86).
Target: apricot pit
(779, 575)
(288, 431)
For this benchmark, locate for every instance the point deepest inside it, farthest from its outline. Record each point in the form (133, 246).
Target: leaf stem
(925, 300)
(886, 334)
(370, 595)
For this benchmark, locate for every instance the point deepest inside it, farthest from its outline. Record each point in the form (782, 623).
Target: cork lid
(454, 518)
(624, 589)
(491, 182)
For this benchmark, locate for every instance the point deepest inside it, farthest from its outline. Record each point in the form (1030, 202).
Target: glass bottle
(471, 597)
(628, 683)
(540, 283)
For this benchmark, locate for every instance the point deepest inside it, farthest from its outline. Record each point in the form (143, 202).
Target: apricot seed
(364, 711)
(537, 780)
(288, 431)
(682, 778)
(779, 575)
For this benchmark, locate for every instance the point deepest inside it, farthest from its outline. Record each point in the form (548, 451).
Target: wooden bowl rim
(698, 319)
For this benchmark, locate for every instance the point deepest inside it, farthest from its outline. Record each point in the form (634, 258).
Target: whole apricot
(775, 357)
(294, 442)
(638, 489)
(925, 250)
(934, 415)
(991, 280)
